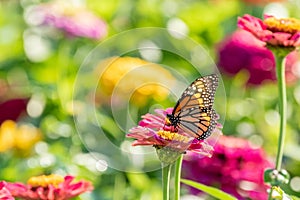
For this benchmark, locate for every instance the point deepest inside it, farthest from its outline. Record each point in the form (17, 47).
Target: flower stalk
(166, 173)
(178, 166)
(280, 71)
(280, 58)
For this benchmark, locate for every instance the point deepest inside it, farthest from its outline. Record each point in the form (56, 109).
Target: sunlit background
(58, 59)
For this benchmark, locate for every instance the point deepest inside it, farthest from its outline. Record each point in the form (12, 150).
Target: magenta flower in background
(12, 109)
(74, 20)
(153, 131)
(52, 187)
(235, 167)
(242, 51)
(4, 193)
(277, 32)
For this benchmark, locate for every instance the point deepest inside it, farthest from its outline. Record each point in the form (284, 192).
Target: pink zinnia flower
(153, 131)
(277, 32)
(243, 51)
(52, 187)
(235, 167)
(74, 20)
(4, 192)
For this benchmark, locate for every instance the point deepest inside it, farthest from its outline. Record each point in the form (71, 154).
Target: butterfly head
(168, 120)
(171, 120)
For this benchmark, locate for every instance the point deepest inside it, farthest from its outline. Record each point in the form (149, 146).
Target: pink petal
(40, 191)
(51, 192)
(144, 136)
(281, 37)
(146, 142)
(251, 24)
(296, 39)
(155, 122)
(255, 26)
(68, 190)
(16, 189)
(78, 188)
(140, 132)
(152, 121)
(68, 180)
(267, 16)
(163, 113)
(4, 192)
(297, 43)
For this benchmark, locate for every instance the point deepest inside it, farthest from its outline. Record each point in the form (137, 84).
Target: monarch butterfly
(193, 112)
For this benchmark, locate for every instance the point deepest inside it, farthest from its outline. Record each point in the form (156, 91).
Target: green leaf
(209, 190)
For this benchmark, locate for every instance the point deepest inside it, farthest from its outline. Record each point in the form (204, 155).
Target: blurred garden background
(53, 66)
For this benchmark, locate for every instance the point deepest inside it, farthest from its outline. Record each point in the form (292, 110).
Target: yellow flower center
(45, 181)
(168, 135)
(286, 25)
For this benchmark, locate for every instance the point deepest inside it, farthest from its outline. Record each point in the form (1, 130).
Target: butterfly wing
(194, 108)
(198, 123)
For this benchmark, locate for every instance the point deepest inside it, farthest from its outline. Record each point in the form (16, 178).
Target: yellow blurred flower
(133, 79)
(7, 132)
(20, 137)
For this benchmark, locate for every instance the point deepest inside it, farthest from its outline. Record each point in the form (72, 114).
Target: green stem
(166, 172)
(177, 177)
(280, 72)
